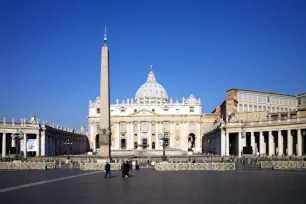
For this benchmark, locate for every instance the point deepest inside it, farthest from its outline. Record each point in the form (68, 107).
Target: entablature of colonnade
(266, 126)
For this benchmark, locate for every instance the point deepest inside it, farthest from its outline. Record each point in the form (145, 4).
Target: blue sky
(50, 51)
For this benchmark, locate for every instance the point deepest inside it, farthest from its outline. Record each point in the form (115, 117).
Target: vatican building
(139, 124)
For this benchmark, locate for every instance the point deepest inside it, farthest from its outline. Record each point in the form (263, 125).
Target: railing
(194, 166)
(27, 165)
(99, 166)
(283, 164)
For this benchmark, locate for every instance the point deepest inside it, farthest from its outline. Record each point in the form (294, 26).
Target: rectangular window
(98, 110)
(191, 110)
(166, 109)
(122, 110)
(153, 110)
(135, 110)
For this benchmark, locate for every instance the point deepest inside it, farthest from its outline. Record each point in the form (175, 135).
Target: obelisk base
(104, 146)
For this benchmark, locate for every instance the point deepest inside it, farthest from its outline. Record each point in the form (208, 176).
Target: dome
(151, 91)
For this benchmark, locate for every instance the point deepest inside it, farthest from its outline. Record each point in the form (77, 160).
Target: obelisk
(105, 131)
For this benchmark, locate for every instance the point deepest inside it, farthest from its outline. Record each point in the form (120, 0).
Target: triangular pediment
(144, 112)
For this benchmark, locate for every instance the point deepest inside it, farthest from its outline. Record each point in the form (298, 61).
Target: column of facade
(131, 142)
(161, 130)
(37, 144)
(150, 135)
(25, 145)
(127, 135)
(262, 149)
(253, 143)
(138, 136)
(239, 143)
(223, 143)
(289, 142)
(299, 142)
(172, 126)
(4, 144)
(43, 144)
(198, 138)
(227, 144)
(271, 143)
(280, 143)
(156, 136)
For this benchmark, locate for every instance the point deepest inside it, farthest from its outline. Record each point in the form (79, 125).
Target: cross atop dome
(151, 76)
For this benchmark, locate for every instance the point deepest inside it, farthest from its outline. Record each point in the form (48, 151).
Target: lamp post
(163, 138)
(68, 143)
(17, 137)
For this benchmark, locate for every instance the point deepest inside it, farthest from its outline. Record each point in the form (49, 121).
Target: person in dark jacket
(107, 170)
(122, 169)
(126, 169)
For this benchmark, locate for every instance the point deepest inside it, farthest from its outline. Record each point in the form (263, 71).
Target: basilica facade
(141, 122)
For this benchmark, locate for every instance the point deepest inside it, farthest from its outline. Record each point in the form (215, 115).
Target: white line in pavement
(44, 182)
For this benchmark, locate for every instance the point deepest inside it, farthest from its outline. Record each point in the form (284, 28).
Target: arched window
(269, 109)
(264, 108)
(286, 109)
(277, 109)
(240, 108)
(273, 110)
(282, 109)
(259, 108)
(251, 108)
(245, 108)
(255, 108)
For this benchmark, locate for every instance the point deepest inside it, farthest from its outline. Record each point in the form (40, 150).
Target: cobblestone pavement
(245, 185)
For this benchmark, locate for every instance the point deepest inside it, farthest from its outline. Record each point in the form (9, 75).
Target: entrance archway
(191, 141)
(97, 142)
(153, 145)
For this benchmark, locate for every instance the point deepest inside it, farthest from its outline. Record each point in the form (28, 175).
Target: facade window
(191, 109)
(259, 108)
(304, 100)
(153, 110)
(122, 110)
(282, 109)
(135, 110)
(269, 109)
(245, 108)
(273, 110)
(268, 99)
(251, 108)
(277, 109)
(98, 110)
(264, 108)
(166, 109)
(177, 109)
(255, 108)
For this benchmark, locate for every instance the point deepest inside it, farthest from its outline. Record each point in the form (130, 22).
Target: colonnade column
(138, 136)
(253, 143)
(280, 143)
(227, 144)
(239, 143)
(289, 142)
(25, 145)
(262, 149)
(198, 138)
(37, 144)
(223, 143)
(4, 144)
(299, 142)
(271, 143)
(117, 137)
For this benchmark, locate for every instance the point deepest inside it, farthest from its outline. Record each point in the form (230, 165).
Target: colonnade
(271, 142)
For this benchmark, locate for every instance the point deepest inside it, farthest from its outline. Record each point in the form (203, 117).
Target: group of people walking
(125, 168)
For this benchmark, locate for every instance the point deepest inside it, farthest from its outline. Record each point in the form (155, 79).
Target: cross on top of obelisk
(105, 34)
